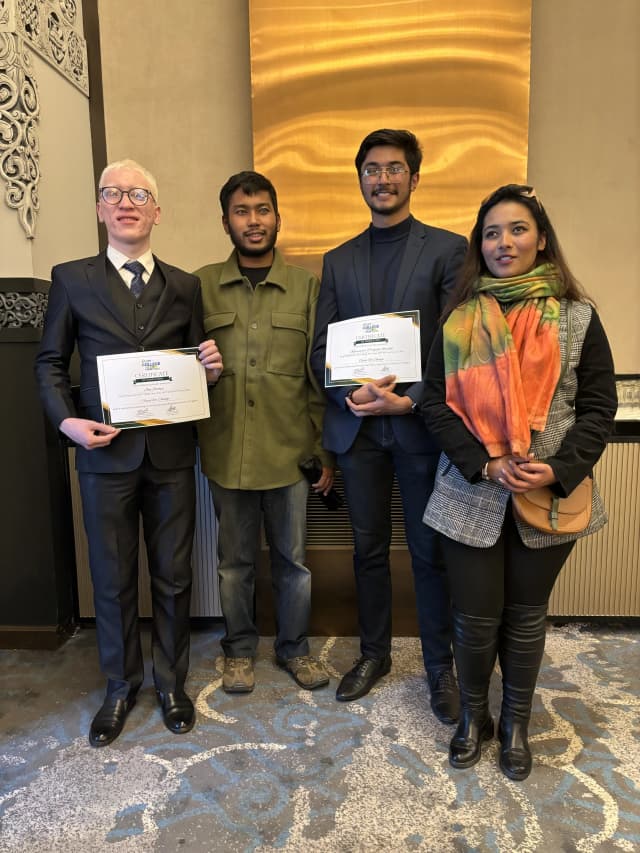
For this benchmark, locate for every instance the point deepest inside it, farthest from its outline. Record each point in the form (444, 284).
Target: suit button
(250, 403)
(254, 325)
(252, 362)
(141, 327)
(138, 305)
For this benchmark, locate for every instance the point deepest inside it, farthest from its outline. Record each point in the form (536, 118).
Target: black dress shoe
(109, 721)
(445, 697)
(359, 680)
(178, 712)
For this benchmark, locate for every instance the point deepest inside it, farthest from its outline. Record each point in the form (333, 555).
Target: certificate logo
(371, 334)
(151, 372)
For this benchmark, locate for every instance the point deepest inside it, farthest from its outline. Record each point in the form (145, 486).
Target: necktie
(137, 283)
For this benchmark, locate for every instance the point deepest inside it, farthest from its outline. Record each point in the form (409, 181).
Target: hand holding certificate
(152, 388)
(366, 348)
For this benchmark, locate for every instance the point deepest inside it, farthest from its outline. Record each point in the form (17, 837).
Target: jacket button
(141, 327)
(254, 325)
(250, 403)
(252, 362)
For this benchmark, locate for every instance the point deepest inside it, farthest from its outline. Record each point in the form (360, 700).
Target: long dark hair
(474, 266)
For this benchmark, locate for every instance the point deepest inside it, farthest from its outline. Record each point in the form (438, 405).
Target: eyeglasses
(370, 174)
(137, 195)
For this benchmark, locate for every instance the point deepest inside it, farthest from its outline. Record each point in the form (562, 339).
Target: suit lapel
(362, 270)
(415, 245)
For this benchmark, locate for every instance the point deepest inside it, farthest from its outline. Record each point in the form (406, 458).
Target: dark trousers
(240, 514)
(368, 469)
(485, 580)
(112, 506)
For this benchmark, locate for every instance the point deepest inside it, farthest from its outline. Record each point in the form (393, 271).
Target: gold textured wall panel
(324, 74)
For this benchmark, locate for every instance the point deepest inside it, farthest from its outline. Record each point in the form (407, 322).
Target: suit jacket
(426, 276)
(90, 309)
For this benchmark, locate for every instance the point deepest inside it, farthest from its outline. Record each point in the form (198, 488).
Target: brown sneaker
(238, 675)
(306, 671)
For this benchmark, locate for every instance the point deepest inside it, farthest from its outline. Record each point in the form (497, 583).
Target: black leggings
(483, 580)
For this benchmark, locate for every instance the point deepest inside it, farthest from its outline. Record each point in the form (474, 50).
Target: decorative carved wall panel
(19, 114)
(51, 29)
(22, 309)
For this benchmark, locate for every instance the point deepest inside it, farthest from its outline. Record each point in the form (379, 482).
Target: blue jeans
(239, 513)
(368, 468)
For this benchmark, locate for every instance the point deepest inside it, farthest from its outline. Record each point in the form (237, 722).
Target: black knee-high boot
(522, 637)
(475, 645)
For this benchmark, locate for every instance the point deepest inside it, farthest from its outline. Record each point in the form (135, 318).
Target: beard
(250, 251)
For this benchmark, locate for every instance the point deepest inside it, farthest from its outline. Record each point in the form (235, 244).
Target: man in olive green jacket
(266, 417)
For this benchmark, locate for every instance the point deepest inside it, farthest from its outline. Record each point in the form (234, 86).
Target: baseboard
(34, 636)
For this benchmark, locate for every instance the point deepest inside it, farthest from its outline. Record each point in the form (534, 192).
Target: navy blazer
(86, 309)
(426, 276)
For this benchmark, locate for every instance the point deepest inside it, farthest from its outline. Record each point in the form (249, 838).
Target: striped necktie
(137, 282)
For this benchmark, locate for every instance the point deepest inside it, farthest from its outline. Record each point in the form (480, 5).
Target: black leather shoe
(359, 680)
(445, 698)
(109, 721)
(178, 712)
(515, 755)
(466, 745)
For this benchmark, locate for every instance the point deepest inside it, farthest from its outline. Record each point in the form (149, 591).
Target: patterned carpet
(283, 769)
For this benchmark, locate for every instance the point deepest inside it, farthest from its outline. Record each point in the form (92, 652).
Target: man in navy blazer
(397, 264)
(126, 300)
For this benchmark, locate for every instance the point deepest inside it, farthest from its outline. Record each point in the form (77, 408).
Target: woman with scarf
(520, 393)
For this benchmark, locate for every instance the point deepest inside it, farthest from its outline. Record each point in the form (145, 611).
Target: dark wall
(38, 565)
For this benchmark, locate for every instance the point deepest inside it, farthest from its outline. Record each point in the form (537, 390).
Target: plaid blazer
(473, 513)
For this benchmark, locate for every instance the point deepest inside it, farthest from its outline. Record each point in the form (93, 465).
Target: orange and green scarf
(501, 369)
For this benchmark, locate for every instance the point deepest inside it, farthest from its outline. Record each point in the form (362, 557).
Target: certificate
(152, 388)
(374, 346)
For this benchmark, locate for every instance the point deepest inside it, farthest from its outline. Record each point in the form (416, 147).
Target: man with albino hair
(127, 300)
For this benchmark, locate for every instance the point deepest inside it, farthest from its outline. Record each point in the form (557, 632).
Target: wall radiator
(601, 578)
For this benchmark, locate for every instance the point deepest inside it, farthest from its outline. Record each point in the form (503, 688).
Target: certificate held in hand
(152, 388)
(370, 347)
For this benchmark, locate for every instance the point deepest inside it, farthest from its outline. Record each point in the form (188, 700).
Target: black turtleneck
(387, 249)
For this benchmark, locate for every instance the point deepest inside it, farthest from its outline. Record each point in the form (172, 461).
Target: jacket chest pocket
(288, 344)
(220, 327)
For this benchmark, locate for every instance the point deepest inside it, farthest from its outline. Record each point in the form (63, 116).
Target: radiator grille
(601, 576)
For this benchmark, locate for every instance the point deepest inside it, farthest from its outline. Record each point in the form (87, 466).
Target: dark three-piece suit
(146, 471)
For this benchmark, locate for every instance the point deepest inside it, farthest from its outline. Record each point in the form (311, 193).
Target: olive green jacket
(266, 408)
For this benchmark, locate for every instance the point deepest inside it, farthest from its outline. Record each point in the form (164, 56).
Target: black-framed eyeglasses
(137, 195)
(370, 174)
